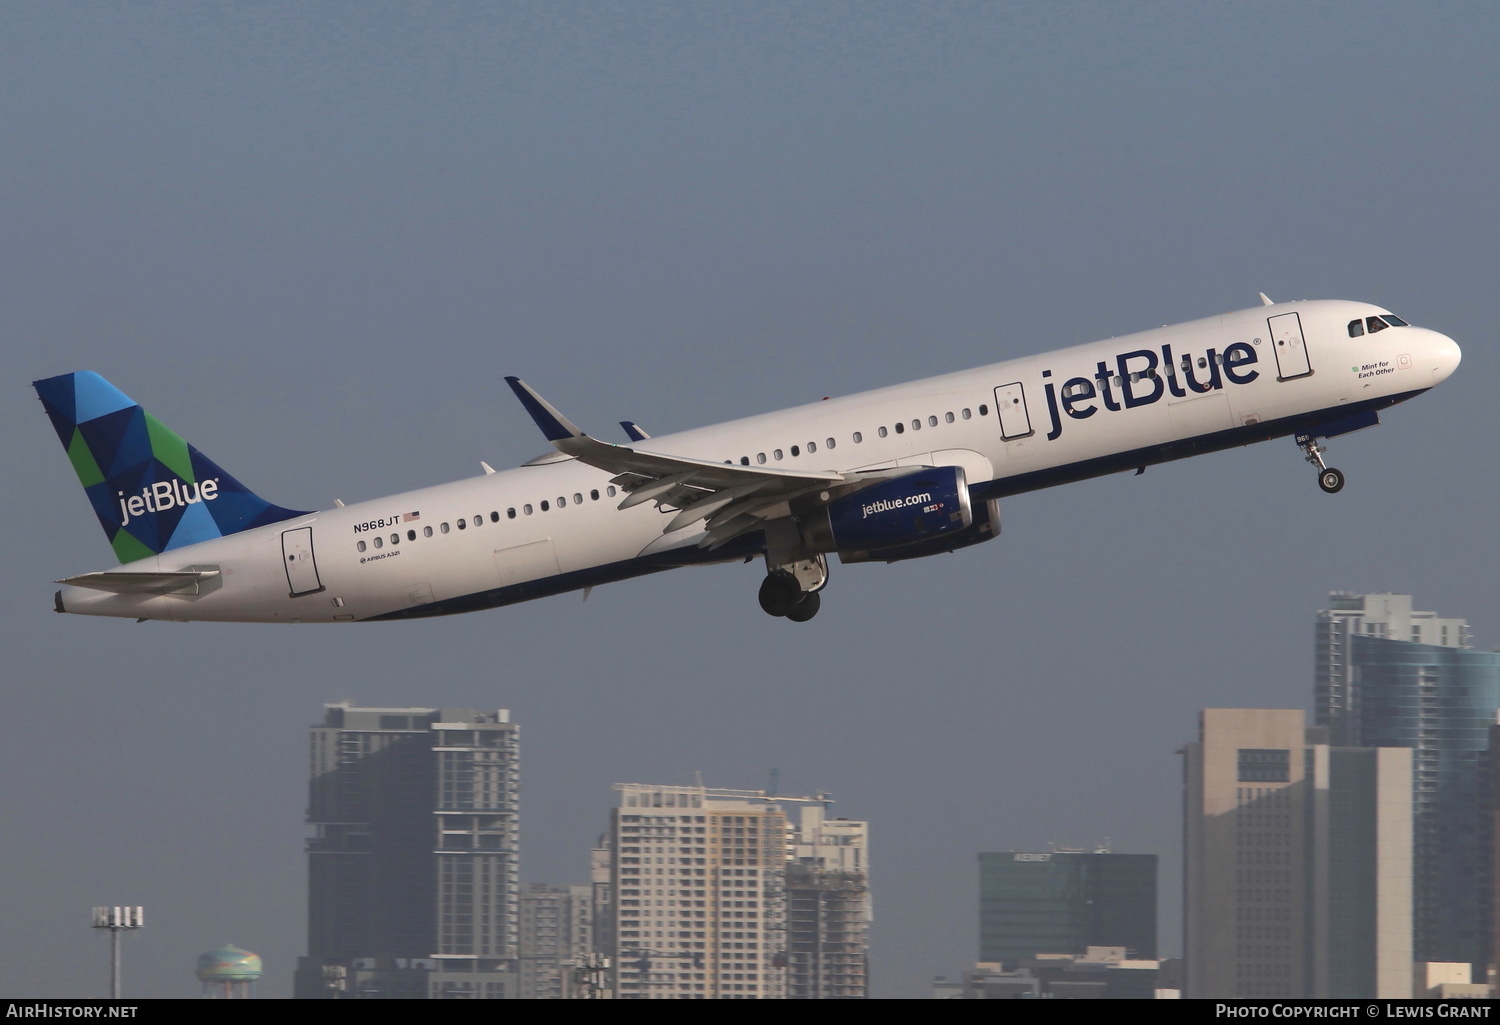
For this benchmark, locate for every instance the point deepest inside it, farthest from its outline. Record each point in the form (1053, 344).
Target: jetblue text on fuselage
(1136, 377)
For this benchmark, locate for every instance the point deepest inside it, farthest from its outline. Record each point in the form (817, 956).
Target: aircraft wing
(732, 498)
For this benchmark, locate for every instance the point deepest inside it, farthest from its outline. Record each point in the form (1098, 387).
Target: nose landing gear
(1329, 479)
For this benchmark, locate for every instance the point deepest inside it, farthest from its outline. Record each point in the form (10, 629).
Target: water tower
(229, 973)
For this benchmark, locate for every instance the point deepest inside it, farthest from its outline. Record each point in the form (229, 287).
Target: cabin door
(1291, 348)
(297, 555)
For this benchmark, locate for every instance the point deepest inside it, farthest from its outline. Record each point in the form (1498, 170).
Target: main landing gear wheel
(780, 594)
(1331, 480)
(806, 608)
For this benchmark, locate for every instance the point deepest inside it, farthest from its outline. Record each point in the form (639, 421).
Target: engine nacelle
(986, 525)
(923, 506)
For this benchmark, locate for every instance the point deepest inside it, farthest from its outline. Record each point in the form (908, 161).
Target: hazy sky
(314, 238)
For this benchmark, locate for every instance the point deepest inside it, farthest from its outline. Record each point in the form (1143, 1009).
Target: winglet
(1266, 300)
(633, 431)
(555, 427)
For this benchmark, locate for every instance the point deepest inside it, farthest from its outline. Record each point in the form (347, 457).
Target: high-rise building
(1388, 676)
(698, 887)
(1297, 861)
(1064, 902)
(827, 907)
(556, 937)
(412, 887)
(698, 878)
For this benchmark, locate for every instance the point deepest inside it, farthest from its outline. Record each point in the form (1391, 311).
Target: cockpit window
(1356, 328)
(1394, 321)
(1375, 324)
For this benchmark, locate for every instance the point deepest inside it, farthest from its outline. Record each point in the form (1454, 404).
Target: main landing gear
(792, 591)
(1329, 479)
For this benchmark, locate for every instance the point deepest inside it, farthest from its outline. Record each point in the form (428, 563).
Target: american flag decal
(409, 517)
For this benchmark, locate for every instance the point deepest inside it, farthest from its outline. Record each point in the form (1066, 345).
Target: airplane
(898, 473)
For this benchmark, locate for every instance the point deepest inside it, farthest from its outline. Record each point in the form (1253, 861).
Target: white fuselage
(1013, 426)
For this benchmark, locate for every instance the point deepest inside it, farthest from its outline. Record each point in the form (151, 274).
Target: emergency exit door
(1010, 405)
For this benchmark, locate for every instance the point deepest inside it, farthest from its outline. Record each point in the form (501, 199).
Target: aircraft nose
(1445, 356)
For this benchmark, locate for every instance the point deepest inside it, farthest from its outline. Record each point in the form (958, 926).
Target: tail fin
(151, 490)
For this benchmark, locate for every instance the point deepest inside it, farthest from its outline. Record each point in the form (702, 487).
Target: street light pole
(117, 920)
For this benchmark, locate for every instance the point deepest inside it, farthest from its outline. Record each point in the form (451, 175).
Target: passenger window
(796, 451)
(812, 446)
(964, 414)
(411, 535)
(760, 457)
(562, 502)
(984, 410)
(948, 417)
(478, 520)
(1356, 328)
(916, 425)
(744, 460)
(882, 432)
(1375, 324)
(610, 491)
(510, 514)
(360, 546)
(463, 524)
(395, 539)
(577, 498)
(545, 506)
(777, 453)
(1202, 362)
(932, 421)
(443, 528)
(594, 495)
(426, 531)
(526, 508)
(494, 516)
(858, 438)
(379, 543)
(830, 443)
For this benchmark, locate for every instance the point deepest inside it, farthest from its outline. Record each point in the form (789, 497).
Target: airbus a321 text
(898, 473)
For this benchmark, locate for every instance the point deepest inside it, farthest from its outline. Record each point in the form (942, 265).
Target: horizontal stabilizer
(126, 582)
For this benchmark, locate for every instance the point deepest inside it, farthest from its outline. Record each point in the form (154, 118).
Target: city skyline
(317, 239)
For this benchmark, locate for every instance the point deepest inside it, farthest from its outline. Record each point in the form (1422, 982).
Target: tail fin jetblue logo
(151, 490)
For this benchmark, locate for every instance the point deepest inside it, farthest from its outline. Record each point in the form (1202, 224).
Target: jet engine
(930, 505)
(986, 525)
